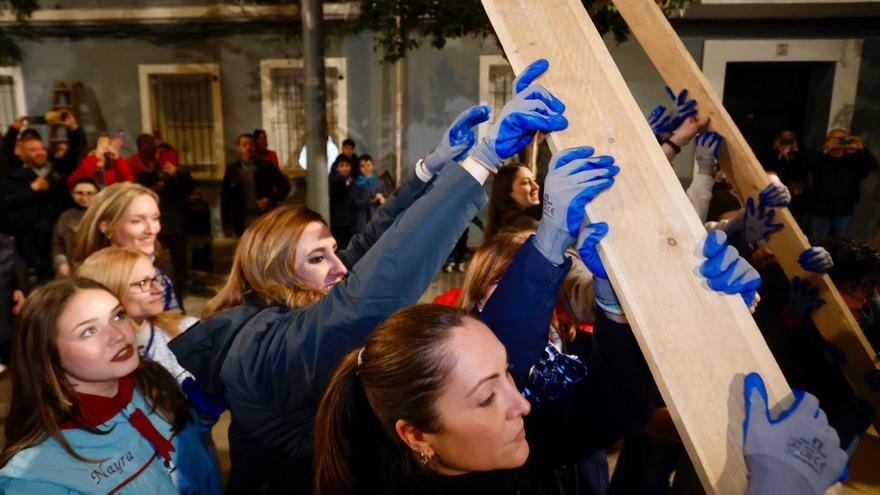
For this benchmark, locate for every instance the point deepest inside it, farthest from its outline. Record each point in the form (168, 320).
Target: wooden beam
(675, 64)
(698, 343)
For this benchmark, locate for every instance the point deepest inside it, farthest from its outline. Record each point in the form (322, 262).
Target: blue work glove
(797, 452)
(803, 298)
(755, 222)
(726, 271)
(531, 109)
(775, 195)
(205, 404)
(588, 239)
(816, 259)
(574, 179)
(682, 108)
(458, 139)
(706, 151)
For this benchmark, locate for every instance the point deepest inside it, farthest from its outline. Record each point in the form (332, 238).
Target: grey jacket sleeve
(577, 290)
(387, 278)
(409, 191)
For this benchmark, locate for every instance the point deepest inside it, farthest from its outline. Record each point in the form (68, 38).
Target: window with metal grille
(496, 86)
(182, 108)
(8, 108)
(500, 87)
(286, 124)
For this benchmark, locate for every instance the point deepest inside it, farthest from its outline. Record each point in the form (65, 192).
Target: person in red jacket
(103, 165)
(261, 150)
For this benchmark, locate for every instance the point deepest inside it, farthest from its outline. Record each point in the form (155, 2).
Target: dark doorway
(766, 97)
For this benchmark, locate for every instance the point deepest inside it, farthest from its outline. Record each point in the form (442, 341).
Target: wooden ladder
(64, 99)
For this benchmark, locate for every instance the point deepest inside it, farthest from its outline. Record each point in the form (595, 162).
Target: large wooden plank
(698, 343)
(679, 70)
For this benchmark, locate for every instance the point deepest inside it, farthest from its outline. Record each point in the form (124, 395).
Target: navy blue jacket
(272, 363)
(614, 400)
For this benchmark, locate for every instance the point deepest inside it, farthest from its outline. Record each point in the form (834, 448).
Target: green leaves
(401, 25)
(10, 52)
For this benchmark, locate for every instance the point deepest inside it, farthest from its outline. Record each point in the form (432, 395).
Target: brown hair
(501, 204)
(112, 267)
(487, 266)
(404, 365)
(42, 396)
(263, 266)
(109, 206)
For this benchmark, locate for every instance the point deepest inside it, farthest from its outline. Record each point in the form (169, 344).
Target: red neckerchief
(96, 410)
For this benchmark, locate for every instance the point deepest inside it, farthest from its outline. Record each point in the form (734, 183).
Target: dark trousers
(459, 252)
(177, 248)
(200, 250)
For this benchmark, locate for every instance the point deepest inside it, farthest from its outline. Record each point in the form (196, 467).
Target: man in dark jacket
(835, 174)
(36, 193)
(251, 187)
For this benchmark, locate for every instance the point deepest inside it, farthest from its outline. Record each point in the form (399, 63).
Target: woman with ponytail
(292, 308)
(87, 414)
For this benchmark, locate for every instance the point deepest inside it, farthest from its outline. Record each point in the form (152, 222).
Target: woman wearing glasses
(126, 215)
(131, 277)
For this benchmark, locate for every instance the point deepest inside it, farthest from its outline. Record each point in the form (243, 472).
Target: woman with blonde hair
(125, 215)
(131, 277)
(289, 313)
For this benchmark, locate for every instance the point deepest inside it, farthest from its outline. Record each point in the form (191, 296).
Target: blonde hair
(109, 206)
(112, 267)
(263, 266)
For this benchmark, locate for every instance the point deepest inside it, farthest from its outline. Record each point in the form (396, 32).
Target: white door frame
(144, 72)
(15, 73)
(845, 53)
(268, 108)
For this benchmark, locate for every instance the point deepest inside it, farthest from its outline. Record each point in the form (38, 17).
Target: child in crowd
(367, 193)
(342, 209)
(87, 413)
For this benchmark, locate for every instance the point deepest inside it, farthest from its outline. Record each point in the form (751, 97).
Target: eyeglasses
(146, 284)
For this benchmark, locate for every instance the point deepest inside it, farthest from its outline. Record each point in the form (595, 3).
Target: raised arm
(406, 258)
(520, 309)
(455, 143)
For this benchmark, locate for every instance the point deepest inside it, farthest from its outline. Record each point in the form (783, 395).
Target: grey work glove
(458, 139)
(795, 453)
(575, 178)
(531, 109)
(816, 259)
(706, 151)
